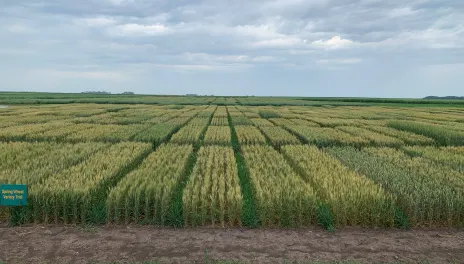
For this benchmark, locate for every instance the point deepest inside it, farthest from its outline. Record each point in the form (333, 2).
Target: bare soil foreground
(58, 244)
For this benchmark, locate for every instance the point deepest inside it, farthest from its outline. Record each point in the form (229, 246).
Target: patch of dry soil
(60, 244)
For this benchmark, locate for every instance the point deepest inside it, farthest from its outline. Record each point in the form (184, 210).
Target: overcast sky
(372, 48)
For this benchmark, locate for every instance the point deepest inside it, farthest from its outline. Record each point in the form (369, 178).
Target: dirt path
(58, 244)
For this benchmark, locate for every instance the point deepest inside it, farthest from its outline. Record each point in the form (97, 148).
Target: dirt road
(58, 244)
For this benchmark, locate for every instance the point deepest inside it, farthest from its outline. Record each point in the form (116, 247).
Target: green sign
(13, 194)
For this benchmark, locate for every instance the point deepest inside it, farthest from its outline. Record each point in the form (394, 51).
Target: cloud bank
(378, 48)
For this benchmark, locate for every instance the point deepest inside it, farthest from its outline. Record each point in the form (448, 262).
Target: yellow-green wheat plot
(282, 197)
(53, 158)
(282, 121)
(21, 131)
(212, 194)
(249, 135)
(71, 194)
(146, 193)
(303, 122)
(445, 201)
(219, 121)
(333, 122)
(188, 135)
(261, 122)
(325, 136)
(219, 135)
(199, 121)
(423, 194)
(452, 157)
(279, 136)
(374, 137)
(13, 153)
(407, 137)
(107, 133)
(59, 133)
(354, 199)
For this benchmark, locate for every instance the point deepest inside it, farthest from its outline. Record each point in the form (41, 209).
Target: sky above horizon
(366, 48)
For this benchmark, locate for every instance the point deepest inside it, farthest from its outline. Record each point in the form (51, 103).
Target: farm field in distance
(235, 165)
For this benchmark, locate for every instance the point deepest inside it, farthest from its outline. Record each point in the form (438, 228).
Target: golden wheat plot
(304, 122)
(325, 136)
(98, 133)
(233, 111)
(354, 199)
(52, 159)
(146, 193)
(282, 197)
(333, 122)
(279, 136)
(282, 121)
(188, 135)
(58, 134)
(217, 135)
(36, 118)
(219, 121)
(199, 121)
(71, 194)
(19, 132)
(249, 135)
(212, 194)
(261, 122)
(375, 138)
(178, 121)
(221, 111)
(13, 153)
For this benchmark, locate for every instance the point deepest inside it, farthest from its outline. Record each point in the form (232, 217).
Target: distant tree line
(96, 92)
(445, 97)
(104, 92)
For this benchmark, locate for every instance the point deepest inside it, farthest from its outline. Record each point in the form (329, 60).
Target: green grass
(249, 215)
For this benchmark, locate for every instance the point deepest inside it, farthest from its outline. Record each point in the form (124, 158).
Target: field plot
(212, 194)
(408, 137)
(354, 199)
(244, 162)
(217, 135)
(188, 135)
(20, 132)
(442, 134)
(156, 133)
(220, 121)
(374, 138)
(424, 199)
(282, 197)
(32, 163)
(241, 121)
(145, 195)
(452, 157)
(261, 122)
(279, 136)
(72, 194)
(107, 133)
(325, 136)
(249, 135)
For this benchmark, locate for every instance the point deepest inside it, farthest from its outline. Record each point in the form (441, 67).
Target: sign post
(13, 195)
